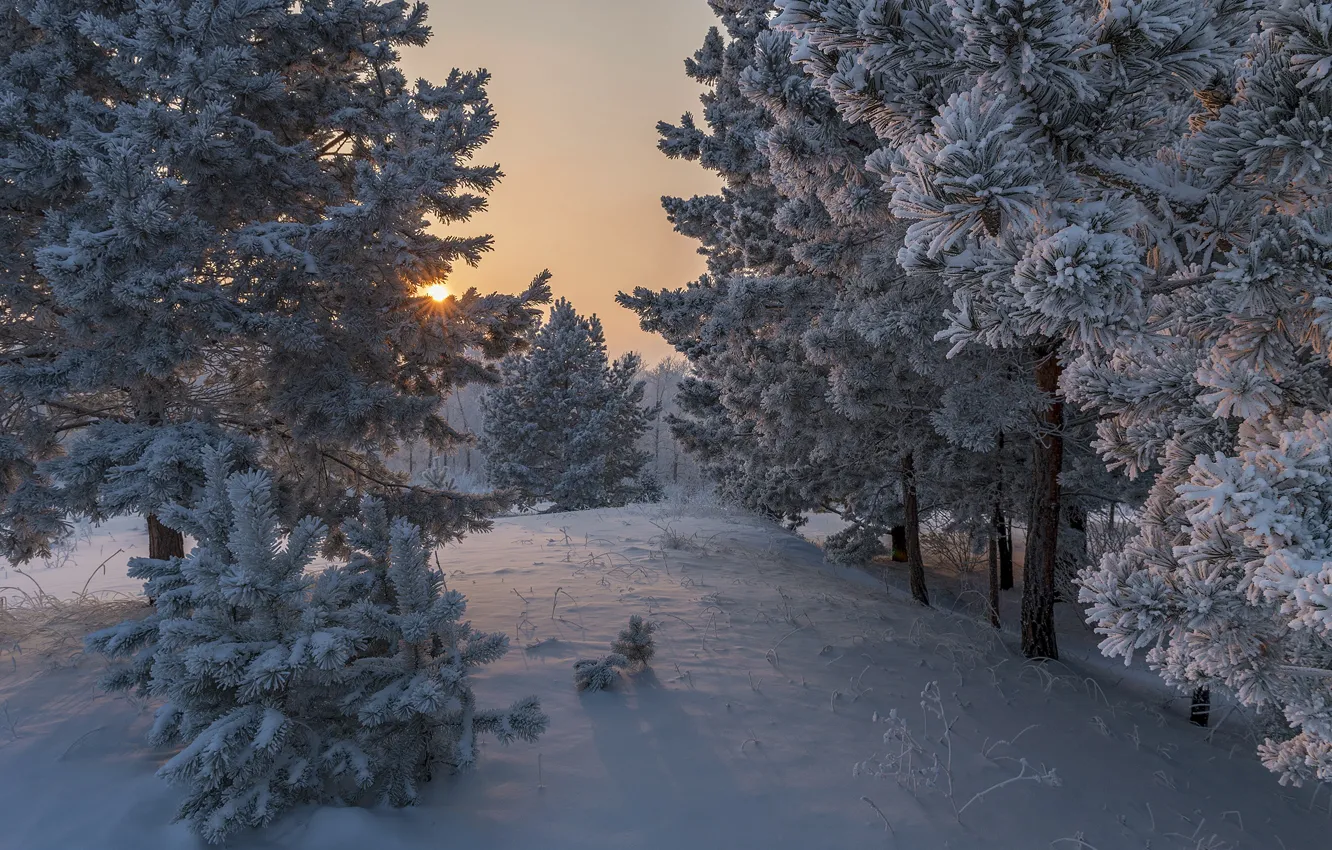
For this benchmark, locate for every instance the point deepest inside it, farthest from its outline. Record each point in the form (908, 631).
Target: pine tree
(993, 118)
(215, 232)
(286, 686)
(565, 424)
(1144, 186)
(635, 642)
(816, 381)
(598, 674)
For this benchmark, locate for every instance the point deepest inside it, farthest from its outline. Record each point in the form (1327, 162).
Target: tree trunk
(899, 543)
(994, 581)
(915, 561)
(1200, 711)
(164, 543)
(1072, 561)
(1003, 528)
(1002, 532)
(1038, 572)
(467, 447)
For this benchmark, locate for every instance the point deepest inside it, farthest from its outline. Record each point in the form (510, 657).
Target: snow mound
(790, 704)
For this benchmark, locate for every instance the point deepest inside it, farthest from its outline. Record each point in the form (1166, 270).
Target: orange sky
(578, 87)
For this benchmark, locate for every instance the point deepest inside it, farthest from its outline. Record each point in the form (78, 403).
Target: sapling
(596, 674)
(635, 642)
(285, 686)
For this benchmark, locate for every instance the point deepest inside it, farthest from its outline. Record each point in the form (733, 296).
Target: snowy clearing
(765, 721)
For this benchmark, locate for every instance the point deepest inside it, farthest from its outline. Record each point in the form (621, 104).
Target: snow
(92, 560)
(774, 676)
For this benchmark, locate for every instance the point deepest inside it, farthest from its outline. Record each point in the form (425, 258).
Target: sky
(578, 88)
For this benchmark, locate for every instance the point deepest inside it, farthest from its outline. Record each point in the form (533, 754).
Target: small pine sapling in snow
(635, 643)
(287, 687)
(597, 674)
(414, 705)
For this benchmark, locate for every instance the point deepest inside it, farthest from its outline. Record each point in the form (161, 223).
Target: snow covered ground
(92, 560)
(766, 721)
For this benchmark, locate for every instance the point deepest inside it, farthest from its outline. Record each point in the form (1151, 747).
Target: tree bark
(1004, 529)
(1071, 562)
(164, 543)
(915, 560)
(899, 543)
(1038, 573)
(1200, 711)
(994, 581)
(1002, 534)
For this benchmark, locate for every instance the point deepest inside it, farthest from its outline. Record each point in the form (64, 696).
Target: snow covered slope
(766, 721)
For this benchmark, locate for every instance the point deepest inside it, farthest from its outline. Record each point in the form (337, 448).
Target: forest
(1000, 408)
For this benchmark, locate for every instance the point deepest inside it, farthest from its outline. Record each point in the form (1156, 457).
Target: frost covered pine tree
(214, 231)
(1146, 184)
(635, 642)
(565, 424)
(816, 381)
(598, 674)
(286, 686)
(995, 123)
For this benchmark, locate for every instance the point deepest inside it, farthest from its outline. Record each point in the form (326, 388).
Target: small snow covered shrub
(597, 674)
(635, 642)
(290, 687)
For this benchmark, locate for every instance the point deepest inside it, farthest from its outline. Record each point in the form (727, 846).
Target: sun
(437, 291)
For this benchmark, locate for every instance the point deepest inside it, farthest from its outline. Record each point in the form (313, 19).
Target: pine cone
(993, 220)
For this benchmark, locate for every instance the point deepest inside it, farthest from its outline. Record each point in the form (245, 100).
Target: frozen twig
(78, 740)
(556, 600)
(888, 827)
(986, 751)
(1045, 778)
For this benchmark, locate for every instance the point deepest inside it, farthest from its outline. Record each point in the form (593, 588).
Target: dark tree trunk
(164, 543)
(1072, 561)
(1200, 711)
(899, 543)
(1002, 532)
(1077, 518)
(994, 581)
(1038, 572)
(150, 406)
(915, 560)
